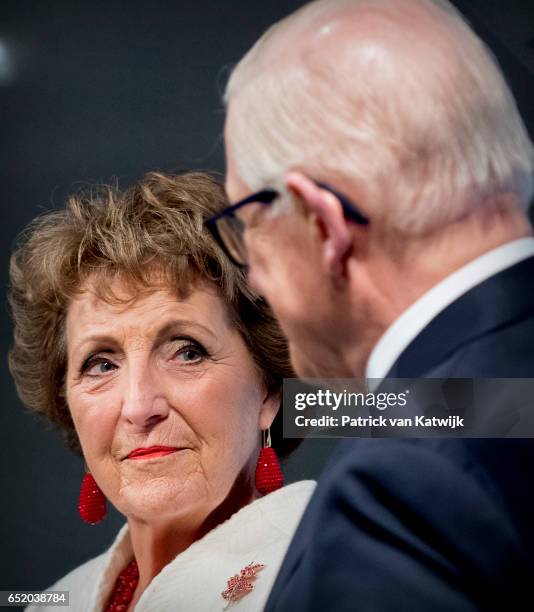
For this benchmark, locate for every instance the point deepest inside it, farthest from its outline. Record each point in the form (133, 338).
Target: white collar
(417, 316)
(260, 531)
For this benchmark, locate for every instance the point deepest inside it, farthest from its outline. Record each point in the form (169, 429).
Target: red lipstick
(151, 452)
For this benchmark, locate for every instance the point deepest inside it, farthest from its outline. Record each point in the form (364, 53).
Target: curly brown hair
(106, 233)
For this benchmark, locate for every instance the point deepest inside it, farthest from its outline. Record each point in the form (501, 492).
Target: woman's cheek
(95, 421)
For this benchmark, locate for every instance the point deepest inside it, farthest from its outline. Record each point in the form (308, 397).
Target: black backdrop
(96, 91)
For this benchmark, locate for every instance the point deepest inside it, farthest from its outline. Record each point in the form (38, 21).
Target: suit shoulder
(414, 473)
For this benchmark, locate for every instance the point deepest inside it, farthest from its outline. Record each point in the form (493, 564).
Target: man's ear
(269, 409)
(328, 212)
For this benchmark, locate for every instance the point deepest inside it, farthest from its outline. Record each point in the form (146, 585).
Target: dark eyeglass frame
(266, 197)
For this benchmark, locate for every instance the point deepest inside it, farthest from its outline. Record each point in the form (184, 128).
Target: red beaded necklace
(124, 588)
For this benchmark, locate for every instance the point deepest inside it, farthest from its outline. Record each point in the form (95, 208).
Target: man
(390, 236)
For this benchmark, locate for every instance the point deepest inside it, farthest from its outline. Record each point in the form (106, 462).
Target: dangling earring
(269, 476)
(92, 502)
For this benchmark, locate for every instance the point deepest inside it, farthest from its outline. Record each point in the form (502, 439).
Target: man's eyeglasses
(229, 230)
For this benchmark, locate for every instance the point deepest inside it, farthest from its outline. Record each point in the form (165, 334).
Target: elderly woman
(135, 335)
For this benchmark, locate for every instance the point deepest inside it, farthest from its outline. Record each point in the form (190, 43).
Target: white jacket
(195, 579)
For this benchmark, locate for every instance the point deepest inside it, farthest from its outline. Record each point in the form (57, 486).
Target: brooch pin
(240, 584)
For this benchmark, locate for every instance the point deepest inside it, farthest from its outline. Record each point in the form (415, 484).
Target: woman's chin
(154, 499)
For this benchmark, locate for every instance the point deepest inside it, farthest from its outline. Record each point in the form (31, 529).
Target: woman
(165, 371)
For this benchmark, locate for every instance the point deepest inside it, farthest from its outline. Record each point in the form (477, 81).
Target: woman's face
(165, 399)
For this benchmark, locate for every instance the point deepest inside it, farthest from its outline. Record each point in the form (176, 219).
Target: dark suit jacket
(435, 524)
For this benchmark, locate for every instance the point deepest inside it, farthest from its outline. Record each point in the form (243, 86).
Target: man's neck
(427, 260)
(419, 315)
(397, 281)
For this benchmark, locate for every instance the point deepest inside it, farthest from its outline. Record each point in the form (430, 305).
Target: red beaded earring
(269, 476)
(92, 502)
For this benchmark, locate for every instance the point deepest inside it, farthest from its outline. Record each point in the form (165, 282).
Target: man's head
(400, 107)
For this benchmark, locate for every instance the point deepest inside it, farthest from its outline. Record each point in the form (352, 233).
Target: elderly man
(384, 174)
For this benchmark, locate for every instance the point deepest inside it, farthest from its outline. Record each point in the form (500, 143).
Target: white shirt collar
(417, 316)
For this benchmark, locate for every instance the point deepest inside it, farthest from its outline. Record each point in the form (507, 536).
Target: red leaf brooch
(240, 584)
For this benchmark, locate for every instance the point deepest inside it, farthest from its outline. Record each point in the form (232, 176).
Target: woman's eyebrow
(185, 326)
(96, 339)
(180, 326)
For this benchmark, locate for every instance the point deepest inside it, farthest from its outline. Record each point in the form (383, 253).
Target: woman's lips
(151, 452)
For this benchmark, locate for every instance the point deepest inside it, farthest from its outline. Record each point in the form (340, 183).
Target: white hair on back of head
(428, 126)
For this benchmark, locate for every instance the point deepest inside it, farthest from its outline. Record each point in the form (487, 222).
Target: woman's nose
(144, 403)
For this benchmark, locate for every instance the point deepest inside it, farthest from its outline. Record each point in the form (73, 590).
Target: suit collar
(415, 318)
(499, 300)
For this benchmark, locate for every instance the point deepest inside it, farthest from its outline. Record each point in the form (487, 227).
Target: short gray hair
(430, 144)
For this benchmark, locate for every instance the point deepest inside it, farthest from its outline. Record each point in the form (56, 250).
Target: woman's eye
(99, 367)
(190, 354)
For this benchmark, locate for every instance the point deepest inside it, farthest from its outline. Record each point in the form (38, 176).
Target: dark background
(92, 92)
